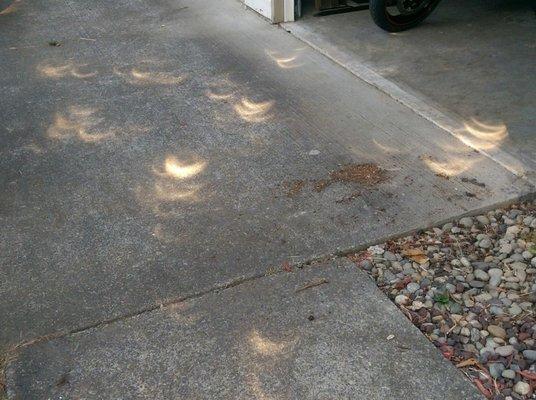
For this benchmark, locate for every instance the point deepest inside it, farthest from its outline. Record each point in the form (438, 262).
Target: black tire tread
(379, 15)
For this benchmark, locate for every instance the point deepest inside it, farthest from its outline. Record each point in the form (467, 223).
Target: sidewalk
(280, 339)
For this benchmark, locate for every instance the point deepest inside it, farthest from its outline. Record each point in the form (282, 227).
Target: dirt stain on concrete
(294, 188)
(364, 174)
(367, 175)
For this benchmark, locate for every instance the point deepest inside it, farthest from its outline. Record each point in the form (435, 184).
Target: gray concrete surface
(169, 148)
(97, 225)
(147, 158)
(472, 60)
(264, 347)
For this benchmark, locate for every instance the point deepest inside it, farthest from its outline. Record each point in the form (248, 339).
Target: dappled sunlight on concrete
(167, 192)
(166, 200)
(286, 61)
(179, 170)
(174, 168)
(81, 123)
(222, 89)
(169, 186)
(251, 111)
(457, 159)
(170, 193)
(265, 346)
(56, 71)
(137, 77)
(88, 126)
(255, 385)
(262, 355)
(213, 95)
(385, 148)
(489, 138)
(452, 167)
(176, 184)
(226, 91)
(483, 136)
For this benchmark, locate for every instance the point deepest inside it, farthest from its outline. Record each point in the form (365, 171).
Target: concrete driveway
(154, 153)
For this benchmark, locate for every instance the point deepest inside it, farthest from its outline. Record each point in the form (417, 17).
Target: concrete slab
(468, 68)
(165, 150)
(250, 342)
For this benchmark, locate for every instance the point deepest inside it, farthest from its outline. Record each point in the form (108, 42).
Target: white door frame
(275, 10)
(288, 11)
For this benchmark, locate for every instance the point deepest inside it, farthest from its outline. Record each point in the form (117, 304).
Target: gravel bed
(470, 287)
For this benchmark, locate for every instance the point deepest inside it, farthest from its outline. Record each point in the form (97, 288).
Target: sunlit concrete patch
(456, 159)
(234, 102)
(267, 347)
(82, 123)
(167, 192)
(56, 71)
(487, 139)
(165, 199)
(452, 167)
(169, 187)
(251, 111)
(221, 89)
(175, 184)
(483, 136)
(286, 60)
(228, 93)
(174, 168)
(386, 148)
(214, 95)
(137, 76)
(88, 125)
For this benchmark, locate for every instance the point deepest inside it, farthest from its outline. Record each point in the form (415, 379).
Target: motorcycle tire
(398, 23)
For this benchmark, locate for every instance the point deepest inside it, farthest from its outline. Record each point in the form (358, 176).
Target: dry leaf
(416, 255)
(413, 252)
(467, 363)
(421, 259)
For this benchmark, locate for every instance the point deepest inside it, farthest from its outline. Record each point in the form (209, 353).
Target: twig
(451, 329)
(312, 284)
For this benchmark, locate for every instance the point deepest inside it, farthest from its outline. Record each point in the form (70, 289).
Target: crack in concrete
(244, 279)
(11, 354)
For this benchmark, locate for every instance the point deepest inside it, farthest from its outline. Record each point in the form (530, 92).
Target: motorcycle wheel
(383, 15)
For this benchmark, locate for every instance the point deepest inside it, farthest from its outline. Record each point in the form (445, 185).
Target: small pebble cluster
(470, 287)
